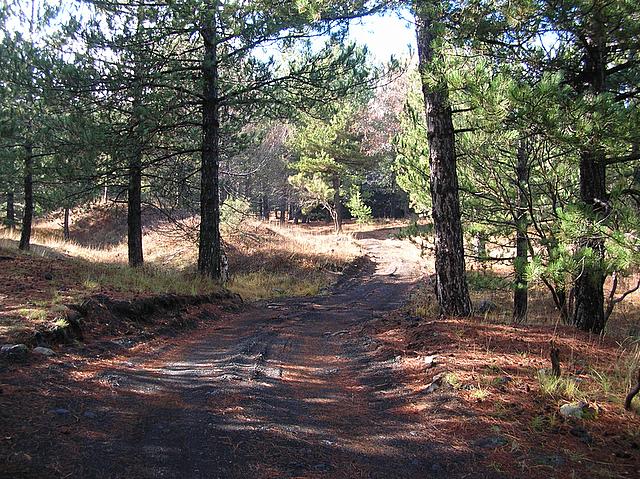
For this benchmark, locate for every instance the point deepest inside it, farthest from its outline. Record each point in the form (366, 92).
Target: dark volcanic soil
(289, 388)
(284, 389)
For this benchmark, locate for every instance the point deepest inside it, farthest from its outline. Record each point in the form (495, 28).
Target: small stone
(44, 351)
(582, 434)
(578, 410)
(501, 382)
(90, 414)
(430, 361)
(435, 383)
(60, 411)
(572, 410)
(486, 306)
(491, 442)
(14, 351)
(622, 454)
(48, 276)
(554, 460)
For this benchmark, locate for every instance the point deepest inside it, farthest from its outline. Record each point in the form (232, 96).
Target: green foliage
(414, 230)
(329, 159)
(485, 280)
(233, 212)
(315, 190)
(412, 151)
(358, 208)
(566, 260)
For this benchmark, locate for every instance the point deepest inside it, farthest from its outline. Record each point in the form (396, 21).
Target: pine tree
(329, 158)
(451, 284)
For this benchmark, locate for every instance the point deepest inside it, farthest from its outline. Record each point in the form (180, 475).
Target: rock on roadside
(430, 361)
(44, 351)
(435, 383)
(14, 351)
(578, 410)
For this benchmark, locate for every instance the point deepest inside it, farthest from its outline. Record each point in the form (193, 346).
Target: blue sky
(386, 35)
(392, 33)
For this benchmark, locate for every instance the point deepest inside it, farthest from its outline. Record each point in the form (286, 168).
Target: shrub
(358, 208)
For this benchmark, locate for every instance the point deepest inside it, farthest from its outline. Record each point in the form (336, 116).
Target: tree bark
(451, 285)
(134, 210)
(134, 187)
(588, 313)
(555, 361)
(11, 211)
(480, 246)
(66, 235)
(520, 287)
(563, 303)
(210, 248)
(337, 205)
(265, 208)
(283, 211)
(27, 217)
(632, 393)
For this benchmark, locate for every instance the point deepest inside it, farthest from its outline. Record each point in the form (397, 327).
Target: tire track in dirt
(289, 388)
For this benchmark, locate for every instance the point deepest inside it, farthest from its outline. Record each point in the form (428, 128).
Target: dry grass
(271, 261)
(265, 262)
(265, 285)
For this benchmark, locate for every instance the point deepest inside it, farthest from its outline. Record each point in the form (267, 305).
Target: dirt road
(341, 385)
(290, 388)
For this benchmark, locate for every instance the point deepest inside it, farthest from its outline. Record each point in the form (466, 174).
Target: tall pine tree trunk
(283, 212)
(588, 312)
(210, 248)
(27, 217)
(520, 291)
(451, 284)
(134, 187)
(134, 210)
(11, 211)
(265, 208)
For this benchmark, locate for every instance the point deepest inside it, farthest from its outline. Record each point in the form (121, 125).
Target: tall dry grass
(265, 261)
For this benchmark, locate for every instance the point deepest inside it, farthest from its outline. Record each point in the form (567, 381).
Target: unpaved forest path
(288, 388)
